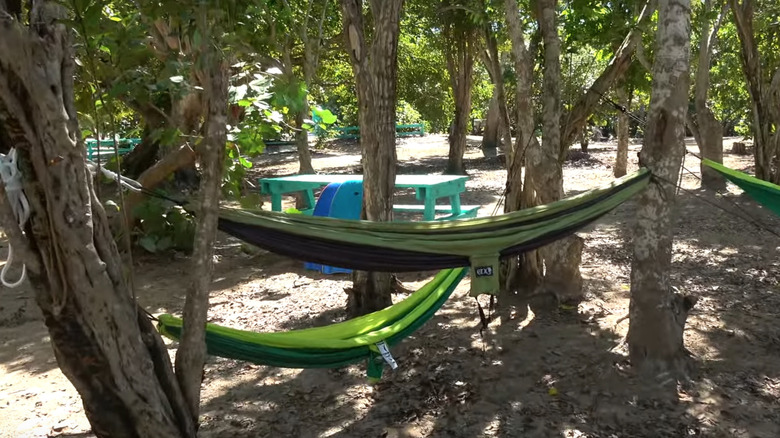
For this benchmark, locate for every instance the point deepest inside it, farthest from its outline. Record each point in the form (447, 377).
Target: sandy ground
(561, 374)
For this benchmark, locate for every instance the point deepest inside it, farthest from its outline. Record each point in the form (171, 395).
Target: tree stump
(739, 148)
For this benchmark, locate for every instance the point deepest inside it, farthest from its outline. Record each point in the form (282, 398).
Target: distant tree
(707, 129)
(460, 26)
(762, 75)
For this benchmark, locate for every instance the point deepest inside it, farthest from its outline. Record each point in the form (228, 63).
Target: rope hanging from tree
(12, 180)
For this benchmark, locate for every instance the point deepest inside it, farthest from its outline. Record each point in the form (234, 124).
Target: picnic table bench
(125, 145)
(428, 189)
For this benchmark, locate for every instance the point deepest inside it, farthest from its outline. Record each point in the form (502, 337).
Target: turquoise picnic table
(428, 189)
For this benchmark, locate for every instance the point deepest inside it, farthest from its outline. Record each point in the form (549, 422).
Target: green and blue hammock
(452, 247)
(763, 192)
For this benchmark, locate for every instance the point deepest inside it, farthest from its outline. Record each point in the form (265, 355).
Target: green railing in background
(409, 130)
(107, 147)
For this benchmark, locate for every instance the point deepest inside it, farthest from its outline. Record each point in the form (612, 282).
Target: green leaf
(252, 200)
(244, 162)
(244, 103)
(115, 18)
(148, 243)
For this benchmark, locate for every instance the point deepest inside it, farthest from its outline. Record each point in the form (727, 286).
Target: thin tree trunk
(621, 161)
(460, 64)
(765, 96)
(492, 62)
(707, 126)
(302, 141)
(528, 273)
(191, 354)
(490, 137)
(375, 68)
(562, 258)
(103, 344)
(657, 315)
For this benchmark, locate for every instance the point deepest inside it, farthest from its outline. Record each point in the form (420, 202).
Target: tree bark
(561, 258)
(621, 160)
(708, 129)
(765, 96)
(191, 354)
(460, 65)
(657, 315)
(492, 63)
(375, 68)
(106, 348)
(528, 270)
(490, 137)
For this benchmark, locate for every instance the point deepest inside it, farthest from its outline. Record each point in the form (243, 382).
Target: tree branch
(580, 112)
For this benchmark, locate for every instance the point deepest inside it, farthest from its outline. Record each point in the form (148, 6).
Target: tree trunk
(561, 259)
(302, 141)
(528, 272)
(710, 130)
(764, 96)
(621, 161)
(375, 68)
(191, 354)
(460, 64)
(490, 137)
(657, 316)
(103, 344)
(492, 62)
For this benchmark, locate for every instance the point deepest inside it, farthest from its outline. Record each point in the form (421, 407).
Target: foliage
(163, 227)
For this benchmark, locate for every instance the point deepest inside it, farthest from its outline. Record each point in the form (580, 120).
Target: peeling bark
(657, 316)
(111, 354)
(375, 66)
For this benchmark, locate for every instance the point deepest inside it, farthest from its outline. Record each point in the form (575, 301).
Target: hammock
(418, 246)
(393, 247)
(765, 193)
(364, 338)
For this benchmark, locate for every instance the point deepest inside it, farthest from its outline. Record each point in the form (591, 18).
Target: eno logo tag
(484, 271)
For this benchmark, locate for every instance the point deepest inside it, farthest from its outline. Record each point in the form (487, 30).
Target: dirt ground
(562, 374)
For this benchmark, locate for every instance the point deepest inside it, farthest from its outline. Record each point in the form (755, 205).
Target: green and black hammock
(765, 193)
(364, 338)
(420, 246)
(393, 247)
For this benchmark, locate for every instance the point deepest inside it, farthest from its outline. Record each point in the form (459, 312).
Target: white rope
(12, 180)
(124, 181)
